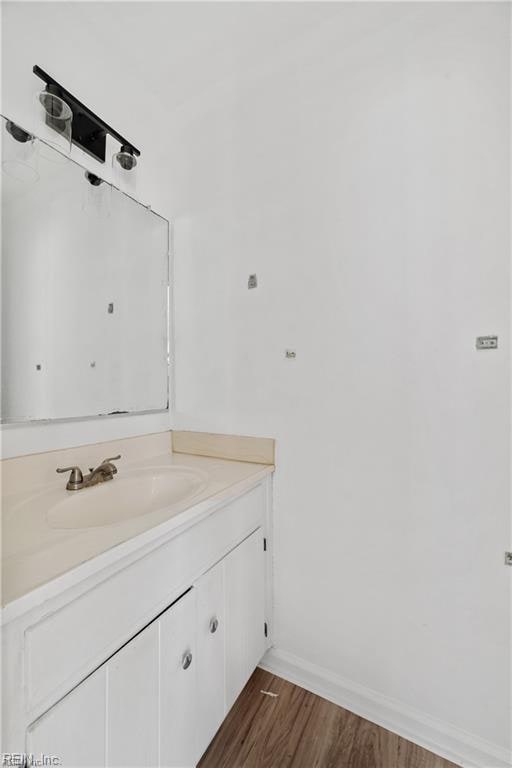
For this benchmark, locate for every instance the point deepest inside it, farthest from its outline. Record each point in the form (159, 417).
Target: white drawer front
(62, 648)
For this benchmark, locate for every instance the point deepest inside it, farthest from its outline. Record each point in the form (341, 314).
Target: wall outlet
(290, 354)
(252, 281)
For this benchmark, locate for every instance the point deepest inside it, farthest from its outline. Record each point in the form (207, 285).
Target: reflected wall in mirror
(85, 276)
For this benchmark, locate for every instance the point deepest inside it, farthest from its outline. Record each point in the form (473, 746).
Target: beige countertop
(34, 553)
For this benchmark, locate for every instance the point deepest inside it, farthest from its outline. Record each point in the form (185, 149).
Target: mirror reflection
(85, 274)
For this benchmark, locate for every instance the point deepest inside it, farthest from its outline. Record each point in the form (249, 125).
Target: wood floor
(297, 729)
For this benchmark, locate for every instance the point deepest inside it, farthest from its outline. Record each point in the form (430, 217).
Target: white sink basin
(137, 492)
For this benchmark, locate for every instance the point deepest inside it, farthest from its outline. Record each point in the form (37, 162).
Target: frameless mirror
(85, 276)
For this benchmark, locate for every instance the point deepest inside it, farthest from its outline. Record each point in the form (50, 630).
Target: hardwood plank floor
(297, 729)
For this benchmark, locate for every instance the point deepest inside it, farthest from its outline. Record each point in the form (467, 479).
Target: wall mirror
(85, 287)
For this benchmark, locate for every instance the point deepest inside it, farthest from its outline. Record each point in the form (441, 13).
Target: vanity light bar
(88, 130)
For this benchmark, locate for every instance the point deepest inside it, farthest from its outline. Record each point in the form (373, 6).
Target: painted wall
(363, 173)
(74, 47)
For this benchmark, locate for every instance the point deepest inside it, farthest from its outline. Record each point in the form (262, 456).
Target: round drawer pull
(186, 660)
(214, 625)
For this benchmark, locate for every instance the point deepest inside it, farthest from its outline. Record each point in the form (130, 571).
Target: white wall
(69, 41)
(362, 172)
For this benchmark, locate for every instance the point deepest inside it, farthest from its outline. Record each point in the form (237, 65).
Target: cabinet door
(178, 662)
(132, 713)
(245, 612)
(211, 702)
(74, 729)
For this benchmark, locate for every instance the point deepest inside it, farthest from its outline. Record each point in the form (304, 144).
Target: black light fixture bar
(88, 130)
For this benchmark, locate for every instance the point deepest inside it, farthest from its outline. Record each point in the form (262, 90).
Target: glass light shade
(96, 196)
(56, 125)
(19, 156)
(124, 171)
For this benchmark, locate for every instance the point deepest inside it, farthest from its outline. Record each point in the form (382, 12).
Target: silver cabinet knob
(214, 625)
(186, 661)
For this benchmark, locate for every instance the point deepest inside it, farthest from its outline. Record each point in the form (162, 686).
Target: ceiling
(155, 57)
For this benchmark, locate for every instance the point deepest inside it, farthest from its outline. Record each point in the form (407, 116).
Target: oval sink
(137, 492)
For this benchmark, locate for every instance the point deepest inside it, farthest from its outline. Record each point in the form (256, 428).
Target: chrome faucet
(105, 471)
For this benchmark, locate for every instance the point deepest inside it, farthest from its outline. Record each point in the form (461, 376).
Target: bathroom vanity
(136, 594)
(134, 654)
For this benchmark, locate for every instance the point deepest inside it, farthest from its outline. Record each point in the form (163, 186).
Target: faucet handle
(75, 478)
(74, 470)
(112, 458)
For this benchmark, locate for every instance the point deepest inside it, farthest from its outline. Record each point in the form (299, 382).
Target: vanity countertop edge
(120, 555)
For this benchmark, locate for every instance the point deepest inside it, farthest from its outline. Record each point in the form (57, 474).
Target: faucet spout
(105, 471)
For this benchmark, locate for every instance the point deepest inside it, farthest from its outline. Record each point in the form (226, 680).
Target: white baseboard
(441, 738)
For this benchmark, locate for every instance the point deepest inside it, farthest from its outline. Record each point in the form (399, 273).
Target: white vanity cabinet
(137, 709)
(75, 728)
(178, 684)
(159, 698)
(131, 703)
(211, 657)
(231, 632)
(245, 615)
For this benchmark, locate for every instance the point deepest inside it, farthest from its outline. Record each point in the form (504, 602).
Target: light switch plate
(487, 342)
